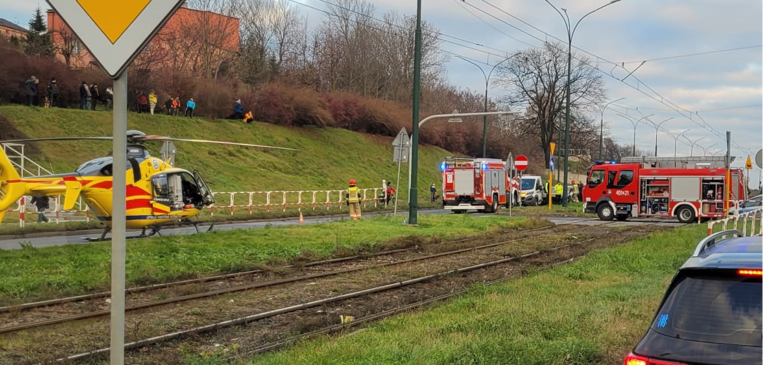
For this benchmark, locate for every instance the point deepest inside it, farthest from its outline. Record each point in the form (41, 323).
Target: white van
(532, 190)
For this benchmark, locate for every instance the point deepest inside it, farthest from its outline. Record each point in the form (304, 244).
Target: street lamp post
(567, 21)
(693, 143)
(676, 136)
(657, 126)
(707, 149)
(413, 200)
(487, 80)
(602, 112)
(634, 125)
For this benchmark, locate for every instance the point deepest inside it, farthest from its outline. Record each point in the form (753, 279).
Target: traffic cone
(301, 218)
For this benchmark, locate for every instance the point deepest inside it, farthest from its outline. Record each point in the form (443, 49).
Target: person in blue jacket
(238, 111)
(190, 108)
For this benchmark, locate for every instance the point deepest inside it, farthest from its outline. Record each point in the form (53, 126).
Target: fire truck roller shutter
(464, 181)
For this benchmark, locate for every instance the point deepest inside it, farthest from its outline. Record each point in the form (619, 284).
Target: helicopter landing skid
(154, 230)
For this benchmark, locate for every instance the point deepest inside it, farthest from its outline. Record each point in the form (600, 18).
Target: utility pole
(727, 193)
(414, 196)
(567, 21)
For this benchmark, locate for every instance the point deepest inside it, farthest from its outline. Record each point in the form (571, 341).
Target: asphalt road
(63, 238)
(56, 239)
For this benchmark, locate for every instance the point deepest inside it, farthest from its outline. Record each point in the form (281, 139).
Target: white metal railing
(752, 220)
(282, 200)
(268, 200)
(15, 153)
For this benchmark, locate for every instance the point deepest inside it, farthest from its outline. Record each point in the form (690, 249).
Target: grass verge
(573, 210)
(590, 312)
(36, 273)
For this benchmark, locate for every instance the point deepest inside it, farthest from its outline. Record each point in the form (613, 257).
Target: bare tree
(538, 78)
(67, 44)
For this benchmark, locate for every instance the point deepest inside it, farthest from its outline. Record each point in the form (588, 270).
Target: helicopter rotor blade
(56, 139)
(161, 138)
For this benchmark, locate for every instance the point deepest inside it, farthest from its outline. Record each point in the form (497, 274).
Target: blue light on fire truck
(443, 166)
(485, 166)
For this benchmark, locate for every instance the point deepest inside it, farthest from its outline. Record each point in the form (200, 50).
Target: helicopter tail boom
(11, 187)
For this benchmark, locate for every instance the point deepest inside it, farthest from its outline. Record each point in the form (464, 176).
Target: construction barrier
(752, 220)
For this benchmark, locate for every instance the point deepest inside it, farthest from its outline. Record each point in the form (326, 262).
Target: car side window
(596, 178)
(625, 178)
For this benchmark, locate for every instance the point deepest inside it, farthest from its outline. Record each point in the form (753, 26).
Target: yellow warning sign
(748, 166)
(552, 147)
(113, 17)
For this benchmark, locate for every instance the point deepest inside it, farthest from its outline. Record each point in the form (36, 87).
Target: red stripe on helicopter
(137, 203)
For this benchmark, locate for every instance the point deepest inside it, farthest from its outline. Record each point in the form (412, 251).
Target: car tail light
(751, 272)
(633, 359)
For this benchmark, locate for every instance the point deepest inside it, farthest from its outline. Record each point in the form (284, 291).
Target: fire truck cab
(630, 190)
(480, 184)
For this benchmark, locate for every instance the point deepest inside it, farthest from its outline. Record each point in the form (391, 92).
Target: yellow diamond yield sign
(113, 17)
(115, 31)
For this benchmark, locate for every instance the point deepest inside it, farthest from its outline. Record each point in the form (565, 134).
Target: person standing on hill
(433, 191)
(85, 96)
(168, 105)
(109, 95)
(143, 103)
(190, 108)
(152, 102)
(53, 92)
(30, 90)
(353, 200)
(176, 106)
(95, 95)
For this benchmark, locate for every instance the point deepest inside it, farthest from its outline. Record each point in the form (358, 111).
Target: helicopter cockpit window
(98, 167)
(160, 189)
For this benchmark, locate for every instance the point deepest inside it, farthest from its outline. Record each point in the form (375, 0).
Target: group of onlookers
(90, 95)
(34, 95)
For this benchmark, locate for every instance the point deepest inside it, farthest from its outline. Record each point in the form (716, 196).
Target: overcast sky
(725, 88)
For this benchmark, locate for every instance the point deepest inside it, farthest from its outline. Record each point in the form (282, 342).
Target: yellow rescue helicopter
(157, 194)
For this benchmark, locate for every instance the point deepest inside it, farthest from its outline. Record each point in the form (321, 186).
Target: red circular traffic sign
(521, 162)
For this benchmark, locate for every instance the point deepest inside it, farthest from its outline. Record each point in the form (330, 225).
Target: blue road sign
(552, 164)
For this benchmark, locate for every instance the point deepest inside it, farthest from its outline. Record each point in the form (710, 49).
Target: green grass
(327, 159)
(35, 273)
(573, 209)
(590, 312)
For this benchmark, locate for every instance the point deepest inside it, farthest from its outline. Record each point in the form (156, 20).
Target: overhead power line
(696, 54)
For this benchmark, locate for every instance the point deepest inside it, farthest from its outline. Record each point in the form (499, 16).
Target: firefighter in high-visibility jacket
(353, 200)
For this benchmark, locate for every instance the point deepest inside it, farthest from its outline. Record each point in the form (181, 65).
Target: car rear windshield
(726, 310)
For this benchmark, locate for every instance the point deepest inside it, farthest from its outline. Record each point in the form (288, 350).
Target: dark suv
(712, 312)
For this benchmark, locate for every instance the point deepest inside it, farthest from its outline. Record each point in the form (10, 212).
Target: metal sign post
(400, 143)
(551, 170)
(115, 32)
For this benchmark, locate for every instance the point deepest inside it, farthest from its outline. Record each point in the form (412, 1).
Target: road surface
(63, 238)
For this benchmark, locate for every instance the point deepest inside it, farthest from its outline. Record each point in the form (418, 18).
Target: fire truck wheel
(686, 214)
(495, 206)
(605, 212)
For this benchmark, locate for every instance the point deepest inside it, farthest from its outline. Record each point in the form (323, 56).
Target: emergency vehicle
(632, 190)
(481, 184)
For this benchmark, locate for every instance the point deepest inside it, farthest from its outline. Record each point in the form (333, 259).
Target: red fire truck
(630, 190)
(481, 184)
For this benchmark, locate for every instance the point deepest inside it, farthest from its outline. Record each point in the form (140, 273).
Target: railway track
(526, 234)
(500, 258)
(559, 255)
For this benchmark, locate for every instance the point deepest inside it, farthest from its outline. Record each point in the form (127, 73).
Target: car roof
(732, 253)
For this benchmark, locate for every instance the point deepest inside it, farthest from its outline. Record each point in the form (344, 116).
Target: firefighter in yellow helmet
(353, 200)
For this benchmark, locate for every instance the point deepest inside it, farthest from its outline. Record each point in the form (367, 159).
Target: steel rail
(140, 289)
(264, 284)
(293, 308)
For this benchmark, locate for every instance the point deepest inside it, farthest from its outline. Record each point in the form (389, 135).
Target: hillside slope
(327, 159)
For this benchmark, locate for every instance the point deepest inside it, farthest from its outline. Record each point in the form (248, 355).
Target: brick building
(9, 29)
(201, 42)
